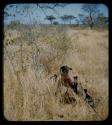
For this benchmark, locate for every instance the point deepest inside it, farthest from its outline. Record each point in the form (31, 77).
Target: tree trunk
(91, 25)
(91, 21)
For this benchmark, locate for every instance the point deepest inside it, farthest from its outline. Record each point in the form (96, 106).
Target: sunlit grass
(29, 93)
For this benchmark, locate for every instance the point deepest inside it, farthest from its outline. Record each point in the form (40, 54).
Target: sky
(35, 14)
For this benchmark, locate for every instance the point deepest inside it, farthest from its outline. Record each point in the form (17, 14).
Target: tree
(92, 11)
(63, 18)
(50, 18)
(101, 20)
(77, 21)
(24, 10)
(67, 18)
(55, 23)
(50, 6)
(81, 18)
(70, 18)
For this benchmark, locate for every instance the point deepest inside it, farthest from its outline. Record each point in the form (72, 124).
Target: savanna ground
(33, 54)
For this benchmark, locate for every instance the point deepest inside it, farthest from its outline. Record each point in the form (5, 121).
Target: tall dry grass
(29, 93)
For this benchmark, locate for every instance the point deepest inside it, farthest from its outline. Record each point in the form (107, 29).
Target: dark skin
(64, 70)
(87, 95)
(55, 77)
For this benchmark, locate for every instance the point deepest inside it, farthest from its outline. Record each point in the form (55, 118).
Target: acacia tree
(77, 21)
(101, 20)
(50, 18)
(25, 7)
(81, 18)
(91, 11)
(63, 18)
(55, 22)
(67, 18)
(70, 18)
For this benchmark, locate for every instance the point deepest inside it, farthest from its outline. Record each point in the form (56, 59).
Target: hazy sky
(38, 15)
